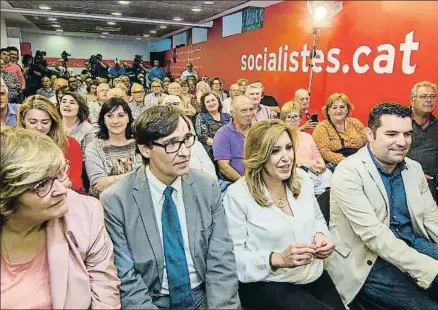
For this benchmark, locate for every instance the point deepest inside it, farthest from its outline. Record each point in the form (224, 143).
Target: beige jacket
(359, 224)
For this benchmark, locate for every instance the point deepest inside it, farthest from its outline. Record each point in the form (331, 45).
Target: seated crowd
(193, 197)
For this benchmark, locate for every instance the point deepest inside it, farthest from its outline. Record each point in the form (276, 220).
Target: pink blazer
(80, 257)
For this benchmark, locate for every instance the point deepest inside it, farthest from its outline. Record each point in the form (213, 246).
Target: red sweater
(73, 153)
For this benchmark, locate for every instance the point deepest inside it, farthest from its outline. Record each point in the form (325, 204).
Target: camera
(39, 55)
(65, 55)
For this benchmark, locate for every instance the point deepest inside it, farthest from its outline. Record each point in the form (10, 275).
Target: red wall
(370, 23)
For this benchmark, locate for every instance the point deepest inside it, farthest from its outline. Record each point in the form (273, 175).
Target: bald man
(96, 106)
(117, 92)
(189, 72)
(302, 96)
(228, 143)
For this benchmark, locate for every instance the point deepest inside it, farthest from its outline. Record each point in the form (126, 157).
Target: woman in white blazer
(279, 234)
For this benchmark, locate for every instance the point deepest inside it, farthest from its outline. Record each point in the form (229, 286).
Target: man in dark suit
(168, 226)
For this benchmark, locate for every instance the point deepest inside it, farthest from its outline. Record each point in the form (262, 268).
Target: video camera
(138, 59)
(39, 57)
(65, 55)
(95, 58)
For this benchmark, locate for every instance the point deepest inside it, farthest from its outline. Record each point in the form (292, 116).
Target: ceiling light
(163, 27)
(208, 2)
(153, 31)
(196, 10)
(124, 2)
(116, 14)
(111, 23)
(56, 25)
(138, 38)
(146, 35)
(103, 37)
(45, 7)
(105, 33)
(177, 19)
(59, 30)
(52, 19)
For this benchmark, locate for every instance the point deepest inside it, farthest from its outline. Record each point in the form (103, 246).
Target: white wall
(85, 47)
(3, 35)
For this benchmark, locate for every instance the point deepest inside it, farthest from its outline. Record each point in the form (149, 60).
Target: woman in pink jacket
(55, 251)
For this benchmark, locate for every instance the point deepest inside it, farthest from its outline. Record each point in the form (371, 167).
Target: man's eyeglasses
(45, 186)
(426, 97)
(174, 146)
(137, 92)
(292, 118)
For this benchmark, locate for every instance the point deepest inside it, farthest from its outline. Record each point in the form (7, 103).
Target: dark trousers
(433, 185)
(320, 294)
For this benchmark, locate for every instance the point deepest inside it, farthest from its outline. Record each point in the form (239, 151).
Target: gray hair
(418, 85)
(253, 85)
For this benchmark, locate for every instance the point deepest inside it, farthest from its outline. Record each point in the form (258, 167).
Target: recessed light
(208, 2)
(138, 38)
(116, 13)
(146, 35)
(59, 30)
(103, 37)
(111, 23)
(163, 27)
(52, 19)
(56, 25)
(124, 2)
(177, 19)
(196, 10)
(45, 7)
(105, 33)
(153, 31)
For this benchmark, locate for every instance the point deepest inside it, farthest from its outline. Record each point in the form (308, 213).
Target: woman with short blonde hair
(280, 236)
(54, 246)
(340, 135)
(39, 114)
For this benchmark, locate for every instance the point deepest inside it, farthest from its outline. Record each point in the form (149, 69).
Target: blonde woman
(280, 236)
(308, 156)
(201, 89)
(54, 246)
(39, 114)
(339, 136)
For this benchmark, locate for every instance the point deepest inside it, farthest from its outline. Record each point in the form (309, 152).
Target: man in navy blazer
(136, 216)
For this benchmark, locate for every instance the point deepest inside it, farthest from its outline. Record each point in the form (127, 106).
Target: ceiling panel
(163, 10)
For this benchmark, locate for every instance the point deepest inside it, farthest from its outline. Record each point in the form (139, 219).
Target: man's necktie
(176, 261)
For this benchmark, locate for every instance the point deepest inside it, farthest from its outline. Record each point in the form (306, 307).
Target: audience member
(59, 93)
(243, 83)
(38, 113)
(217, 88)
(156, 97)
(307, 154)
(126, 81)
(96, 106)
(156, 72)
(54, 245)
(303, 97)
(254, 93)
(137, 105)
(12, 82)
(189, 72)
(205, 79)
(279, 233)
(268, 101)
(166, 87)
(11, 58)
(73, 83)
(187, 109)
(210, 120)
(384, 220)
(234, 92)
(60, 82)
(92, 91)
(201, 89)
(171, 243)
(425, 132)
(74, 112)
(186, 97)
(112, 156)
(192, 80)
(174, 89)
(8, 111)
(116, 70)
(228, 143)
(46, 90)
(339, 136)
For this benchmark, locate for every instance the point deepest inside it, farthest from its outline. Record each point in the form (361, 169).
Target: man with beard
(384, 221)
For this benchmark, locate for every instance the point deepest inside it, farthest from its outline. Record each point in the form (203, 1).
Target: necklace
(279, 204)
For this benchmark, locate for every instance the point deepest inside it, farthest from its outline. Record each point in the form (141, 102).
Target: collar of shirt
(432, 121)
(157, 187)
(400, 167)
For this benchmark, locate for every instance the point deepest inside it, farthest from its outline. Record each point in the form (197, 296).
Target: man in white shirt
(96, 106)
(189, 72)
(168, 226)
(234, 92)
(156, 96)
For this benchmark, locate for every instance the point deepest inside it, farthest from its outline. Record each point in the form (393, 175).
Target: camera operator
(117, 70)
(98, 67)
(138, 68)
(36, 72)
